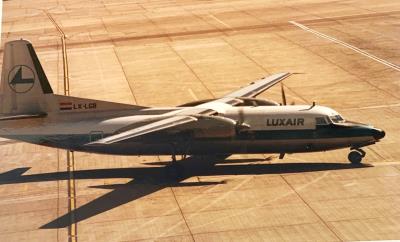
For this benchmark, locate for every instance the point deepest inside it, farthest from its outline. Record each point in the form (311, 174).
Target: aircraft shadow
(148, 180)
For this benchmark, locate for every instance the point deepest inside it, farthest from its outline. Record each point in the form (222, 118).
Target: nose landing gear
(356, 156)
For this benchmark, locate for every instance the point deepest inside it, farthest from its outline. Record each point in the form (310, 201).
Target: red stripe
(65, 103)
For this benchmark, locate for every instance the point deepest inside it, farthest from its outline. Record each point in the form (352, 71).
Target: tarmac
(166, 53)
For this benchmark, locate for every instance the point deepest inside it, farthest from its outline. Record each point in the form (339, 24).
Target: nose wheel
(356, 156)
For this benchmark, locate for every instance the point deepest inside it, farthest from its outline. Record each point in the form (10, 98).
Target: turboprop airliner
(237, 123)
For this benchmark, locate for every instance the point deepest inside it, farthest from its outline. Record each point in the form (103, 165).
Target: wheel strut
(356, 155)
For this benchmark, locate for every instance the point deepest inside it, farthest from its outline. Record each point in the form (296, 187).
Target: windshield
(336, 119)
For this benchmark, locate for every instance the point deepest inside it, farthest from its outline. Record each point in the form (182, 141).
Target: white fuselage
(269, 129)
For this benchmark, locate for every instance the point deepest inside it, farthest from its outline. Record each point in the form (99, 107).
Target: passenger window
(320, 121)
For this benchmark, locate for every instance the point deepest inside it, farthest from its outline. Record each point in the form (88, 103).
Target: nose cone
(378, 134)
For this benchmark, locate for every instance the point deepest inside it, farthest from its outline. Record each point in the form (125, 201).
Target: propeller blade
(283, 94)
(241, 116)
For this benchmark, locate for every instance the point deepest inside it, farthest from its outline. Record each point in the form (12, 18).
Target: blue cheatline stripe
(319, 133)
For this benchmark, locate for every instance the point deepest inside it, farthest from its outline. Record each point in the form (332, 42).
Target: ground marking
(374, 107)
(221, 22)
(167, 213)
(223, 196)
(382, 61)
(265, 202)
(192, 94)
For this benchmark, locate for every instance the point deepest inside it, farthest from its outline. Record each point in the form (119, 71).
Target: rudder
(24, 84)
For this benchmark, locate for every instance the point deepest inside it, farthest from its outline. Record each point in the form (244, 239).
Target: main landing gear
(175, 169)
(356, 156)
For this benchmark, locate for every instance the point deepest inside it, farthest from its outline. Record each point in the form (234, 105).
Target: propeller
(283, 95)
(284, 101)
(240, 124)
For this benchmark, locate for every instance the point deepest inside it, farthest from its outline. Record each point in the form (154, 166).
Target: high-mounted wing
(188, 115)
(233, 98)
(258, 87)
(146, 129)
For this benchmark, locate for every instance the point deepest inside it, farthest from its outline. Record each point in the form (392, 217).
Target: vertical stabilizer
(24, 85)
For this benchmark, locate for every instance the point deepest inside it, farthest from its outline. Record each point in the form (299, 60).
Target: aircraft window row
(337, 119)
(321, 121)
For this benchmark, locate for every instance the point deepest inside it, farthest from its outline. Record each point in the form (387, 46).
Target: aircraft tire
(355, 157)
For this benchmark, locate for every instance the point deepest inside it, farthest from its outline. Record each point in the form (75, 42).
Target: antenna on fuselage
(311, 107)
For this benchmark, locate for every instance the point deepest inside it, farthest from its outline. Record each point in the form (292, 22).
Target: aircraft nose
(379, 134)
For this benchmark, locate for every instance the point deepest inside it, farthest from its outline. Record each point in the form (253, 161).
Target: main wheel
(355, 157)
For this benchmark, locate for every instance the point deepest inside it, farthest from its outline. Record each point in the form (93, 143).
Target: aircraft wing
(190, 115)
(233, 98)
(259, 86)
(163, 124)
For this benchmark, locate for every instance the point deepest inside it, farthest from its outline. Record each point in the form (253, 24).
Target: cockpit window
(337, 119)
(321, 121)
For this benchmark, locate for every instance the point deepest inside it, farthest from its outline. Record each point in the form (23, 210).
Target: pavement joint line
(223, 32)
(356, 197)
(241, 28)
(340, 67)
(374, 107)
(191, 70)
(256, 228)
(168, 213)
(361, 219)
(349, 46)
(223, 195)
(180, 57)
(262, 67)
(126, 77)
(376, 153)
(183, 216)
(263, 203)
(389, 163)
(221, 22)
(313, 211)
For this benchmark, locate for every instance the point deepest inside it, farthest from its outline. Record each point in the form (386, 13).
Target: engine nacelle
(213, 127)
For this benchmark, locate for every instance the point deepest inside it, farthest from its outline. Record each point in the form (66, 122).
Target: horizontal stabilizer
(22, 116)
(14, 174)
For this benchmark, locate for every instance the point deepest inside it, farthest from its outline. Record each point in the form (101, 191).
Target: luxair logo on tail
(21, 79)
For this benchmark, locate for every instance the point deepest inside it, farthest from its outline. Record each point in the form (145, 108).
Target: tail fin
(24, 84)
(26, 92)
